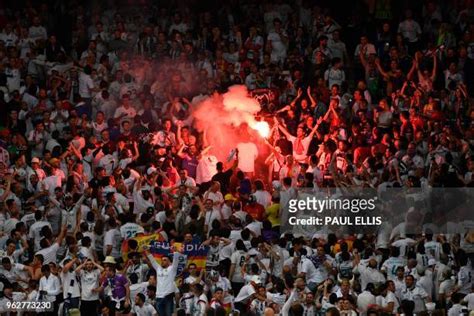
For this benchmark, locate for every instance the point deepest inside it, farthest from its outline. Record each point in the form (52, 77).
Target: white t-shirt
(89, 281)
(390, 298)
(364, 300)
(13, 273)
(146, 310)
(334, 76)
(417, 295)
(245, 293)
(238, 258)
(113, 238)
(248, 152)
(263, 197)
(109, 163)
(300, 153)
(390, 266)
(456, 310)
(278, 47)
(470, 301)
(307, 267)
(130, 230)
(130, 113)
(135, 289)
(49, 254)
(68, 278)
(206, 169)
(86, 84)
(35, 231)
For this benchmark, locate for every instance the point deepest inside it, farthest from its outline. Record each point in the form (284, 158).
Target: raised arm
(61, 235)
(151, 259)
(285, 311)
(282, 129)
(79, 268)
(284, 109)
(315, 128)
(179, 124)
(413, 68)
(300, 93)
(362, 59)
(69, 265)
(75, 152)
(205, 142)
(402, 91)
(180, 152)
(380, 69)
(311, 99)
(204, 151)
(137, 153)
(275, 153)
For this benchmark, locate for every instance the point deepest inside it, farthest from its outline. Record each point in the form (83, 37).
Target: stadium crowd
(98, 146)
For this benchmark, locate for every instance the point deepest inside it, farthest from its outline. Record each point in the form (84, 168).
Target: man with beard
(165, 276)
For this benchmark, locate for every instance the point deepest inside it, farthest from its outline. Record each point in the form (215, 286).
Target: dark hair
(259, 185)
(332, 311)
(141, 296)
(239, 245)
(40, 258)
(6, 260)
(45, 268)
(407, 307)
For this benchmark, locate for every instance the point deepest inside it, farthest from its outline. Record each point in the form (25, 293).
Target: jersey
(345, 269)
(213, 257)
(130, 230)
(390, 266)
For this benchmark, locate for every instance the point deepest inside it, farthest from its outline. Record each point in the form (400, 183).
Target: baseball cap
(229, 197)
(431, 262)
(256, 279)
(35, 160)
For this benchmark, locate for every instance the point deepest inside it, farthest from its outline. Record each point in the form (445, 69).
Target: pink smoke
(226, 117)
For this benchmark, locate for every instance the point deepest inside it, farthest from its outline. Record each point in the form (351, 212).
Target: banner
(192, 252)
(268, 98)
(136, 244)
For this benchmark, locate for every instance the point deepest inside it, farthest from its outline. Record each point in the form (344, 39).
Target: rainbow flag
(192, 252)
(136, 244)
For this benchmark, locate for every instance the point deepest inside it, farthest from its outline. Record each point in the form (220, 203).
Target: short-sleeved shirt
(146, 310)
(116, 285)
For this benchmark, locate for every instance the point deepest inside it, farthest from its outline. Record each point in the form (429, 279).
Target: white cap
(256, 279)
(150, 170)
(35, 160)
(431, 262)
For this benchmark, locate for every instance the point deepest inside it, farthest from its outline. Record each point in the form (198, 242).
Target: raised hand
(300, 92)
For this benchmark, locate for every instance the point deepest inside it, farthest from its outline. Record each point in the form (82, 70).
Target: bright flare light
(262, 128)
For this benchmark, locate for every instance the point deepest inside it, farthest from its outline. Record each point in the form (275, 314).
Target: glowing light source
(262, 128)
